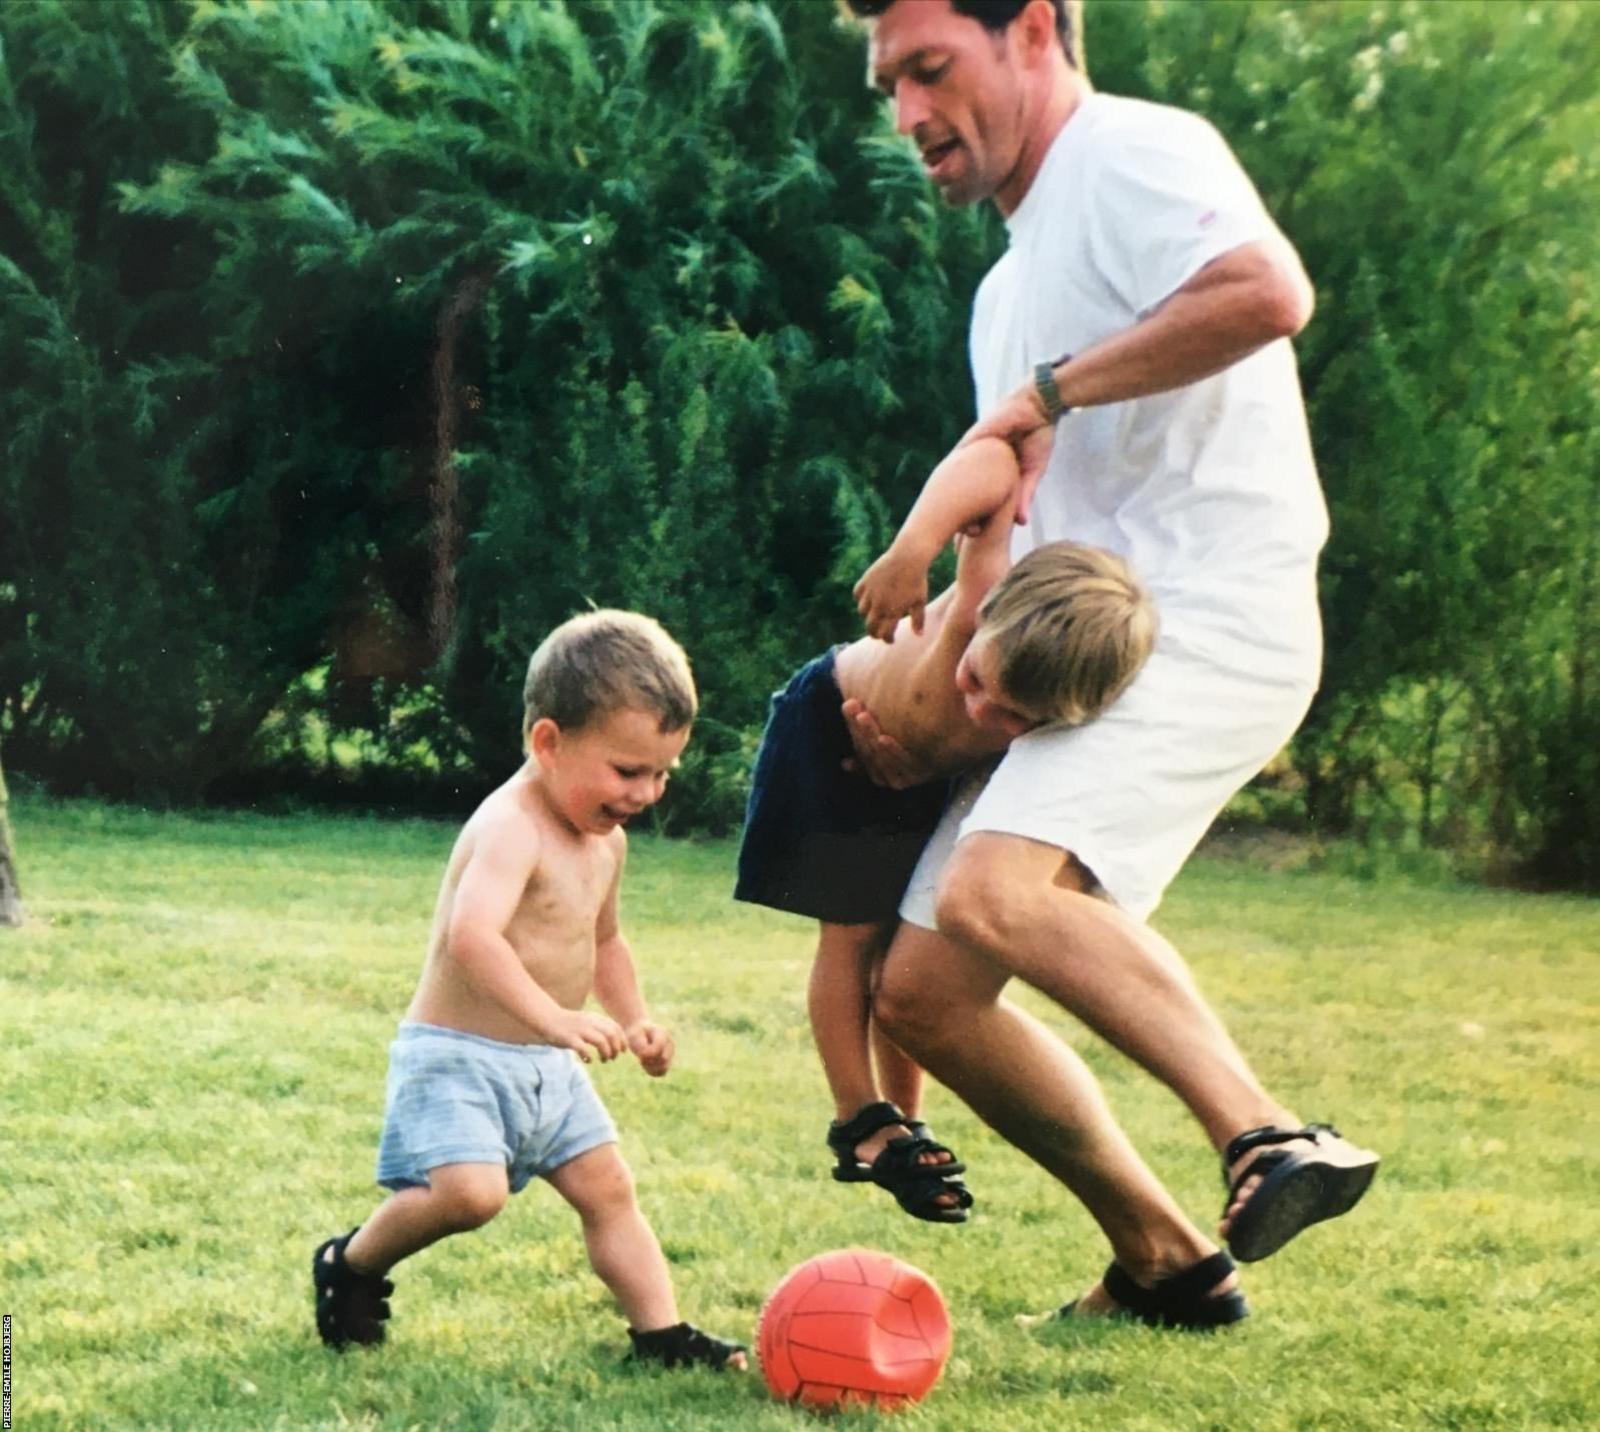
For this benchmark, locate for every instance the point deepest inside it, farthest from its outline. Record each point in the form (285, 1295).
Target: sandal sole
(1291, 1200)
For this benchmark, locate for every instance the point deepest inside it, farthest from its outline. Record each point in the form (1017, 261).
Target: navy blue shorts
(820, 840)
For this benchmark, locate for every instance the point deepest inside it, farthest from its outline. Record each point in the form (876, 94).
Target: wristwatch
(1044, 381)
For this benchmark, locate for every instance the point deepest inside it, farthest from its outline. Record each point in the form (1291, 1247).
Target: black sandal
(1183, 1301)
(683, 1345)
(918, 1187)
(351, 1307)
(1298, 1188)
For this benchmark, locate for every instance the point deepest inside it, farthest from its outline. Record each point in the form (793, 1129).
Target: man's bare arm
(1239, 302)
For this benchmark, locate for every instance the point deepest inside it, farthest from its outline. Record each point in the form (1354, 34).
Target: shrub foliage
(351, 344)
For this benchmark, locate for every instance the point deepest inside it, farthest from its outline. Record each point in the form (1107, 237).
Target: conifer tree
(350, 344)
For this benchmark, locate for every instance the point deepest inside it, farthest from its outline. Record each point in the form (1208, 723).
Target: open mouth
(935, 155)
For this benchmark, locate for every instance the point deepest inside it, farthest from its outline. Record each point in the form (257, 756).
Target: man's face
(957, 90)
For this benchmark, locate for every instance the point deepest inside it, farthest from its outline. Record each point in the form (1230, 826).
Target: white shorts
(1131, 793)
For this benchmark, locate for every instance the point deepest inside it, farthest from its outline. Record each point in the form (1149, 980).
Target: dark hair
(996, 15)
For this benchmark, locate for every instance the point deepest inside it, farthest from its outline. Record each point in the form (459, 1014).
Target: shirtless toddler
(1055, 638)
(487, 1088)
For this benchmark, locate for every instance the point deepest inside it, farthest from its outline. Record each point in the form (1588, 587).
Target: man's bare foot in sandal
(1201, 1297)
(1281, 1180)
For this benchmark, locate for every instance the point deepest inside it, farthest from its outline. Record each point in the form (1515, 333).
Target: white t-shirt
(1210, 490)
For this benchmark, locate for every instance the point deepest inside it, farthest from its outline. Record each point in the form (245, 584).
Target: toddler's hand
(588, 1035)
(892, 587)
(652, 1046)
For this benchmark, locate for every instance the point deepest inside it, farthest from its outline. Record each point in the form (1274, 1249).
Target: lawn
(194, 1026)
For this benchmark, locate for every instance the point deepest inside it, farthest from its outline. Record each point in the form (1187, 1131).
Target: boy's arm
(985, 557)
(969, 486)
(505, 857)
(616, 982)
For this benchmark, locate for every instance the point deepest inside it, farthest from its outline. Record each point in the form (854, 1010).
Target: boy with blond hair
(1054, 639)
(486, 1086)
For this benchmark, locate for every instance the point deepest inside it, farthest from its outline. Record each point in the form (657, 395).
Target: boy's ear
(543, 739)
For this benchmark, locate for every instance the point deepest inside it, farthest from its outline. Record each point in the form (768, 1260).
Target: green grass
(194, 1025)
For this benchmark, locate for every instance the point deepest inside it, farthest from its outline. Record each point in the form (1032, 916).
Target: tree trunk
(445, 526)
(10, 895)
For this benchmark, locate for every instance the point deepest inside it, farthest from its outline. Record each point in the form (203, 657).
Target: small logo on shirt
(1208, 218)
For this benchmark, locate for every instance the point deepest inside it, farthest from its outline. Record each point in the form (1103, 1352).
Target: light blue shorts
(456, 1098)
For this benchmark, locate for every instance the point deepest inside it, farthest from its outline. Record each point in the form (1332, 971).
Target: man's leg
(1024, 905)
(943, 1005)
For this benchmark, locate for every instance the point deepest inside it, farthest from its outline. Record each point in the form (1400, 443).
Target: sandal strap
(1241, 1144)
(1183, 1300)
(1258, 1167)
(863, 1124)
(1189, 1286)
(682, 1345)
(337, 1274)
(901, 1158)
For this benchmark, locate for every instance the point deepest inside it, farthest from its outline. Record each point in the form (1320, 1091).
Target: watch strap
(1044, 381)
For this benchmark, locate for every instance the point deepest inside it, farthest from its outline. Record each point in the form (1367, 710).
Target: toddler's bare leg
(622, 1248)
(458, 1197)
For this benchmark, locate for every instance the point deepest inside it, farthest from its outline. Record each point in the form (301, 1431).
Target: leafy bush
(354, 343)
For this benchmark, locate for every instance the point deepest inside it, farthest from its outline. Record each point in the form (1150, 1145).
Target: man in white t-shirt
(1132, 343)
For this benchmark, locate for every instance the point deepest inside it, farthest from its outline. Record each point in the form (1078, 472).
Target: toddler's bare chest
(565, 895)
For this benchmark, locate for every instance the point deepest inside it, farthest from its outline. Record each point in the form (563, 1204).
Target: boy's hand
(894, 586)
(652, 1046)
(588, 1035)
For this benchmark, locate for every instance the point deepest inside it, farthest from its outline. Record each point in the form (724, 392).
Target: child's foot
(870, 1130)
(684, 1345)
(881, 1145)
(351, 1306)
(932, 1155)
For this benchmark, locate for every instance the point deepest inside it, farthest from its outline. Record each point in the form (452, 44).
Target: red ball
(853, 1326)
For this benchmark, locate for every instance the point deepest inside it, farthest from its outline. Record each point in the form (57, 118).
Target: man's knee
(967, 913)
(909, 1011)
(977, 902)
(991, 891)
